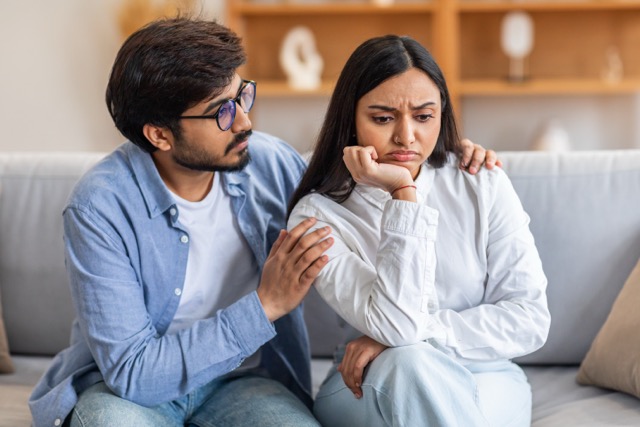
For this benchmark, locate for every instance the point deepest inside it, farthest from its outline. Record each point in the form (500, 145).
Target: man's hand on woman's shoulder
(474, 156)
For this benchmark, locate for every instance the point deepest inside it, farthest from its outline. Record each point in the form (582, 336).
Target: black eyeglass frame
(236, 100)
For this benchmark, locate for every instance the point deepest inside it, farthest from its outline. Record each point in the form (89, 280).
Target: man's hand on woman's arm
(291, 267)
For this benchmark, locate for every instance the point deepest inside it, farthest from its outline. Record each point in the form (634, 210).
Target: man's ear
(160, 137)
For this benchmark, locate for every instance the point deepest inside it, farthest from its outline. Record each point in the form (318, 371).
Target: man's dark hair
(373, 62)
(167, 67)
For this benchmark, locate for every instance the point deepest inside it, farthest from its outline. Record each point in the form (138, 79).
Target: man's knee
(98, 407)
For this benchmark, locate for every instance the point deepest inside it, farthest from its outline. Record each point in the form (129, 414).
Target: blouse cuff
(410, 218)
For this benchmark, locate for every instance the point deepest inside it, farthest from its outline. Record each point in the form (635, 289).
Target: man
(187, 289)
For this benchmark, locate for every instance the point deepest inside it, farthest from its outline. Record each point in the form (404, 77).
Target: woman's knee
(505, 394)
(420, 363)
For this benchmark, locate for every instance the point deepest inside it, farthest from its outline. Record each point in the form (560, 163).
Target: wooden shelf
(338, 30)
(489, 87)
(571, 42)
(546, 6)
(547, 87)
(249, 9)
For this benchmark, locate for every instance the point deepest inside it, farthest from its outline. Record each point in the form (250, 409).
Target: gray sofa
(585, 216)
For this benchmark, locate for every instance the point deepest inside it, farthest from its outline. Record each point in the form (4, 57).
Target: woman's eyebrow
(425, 105)
(386, 108)
(381, 107)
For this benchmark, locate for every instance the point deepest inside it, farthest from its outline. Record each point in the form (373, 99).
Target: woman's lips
(403, 156)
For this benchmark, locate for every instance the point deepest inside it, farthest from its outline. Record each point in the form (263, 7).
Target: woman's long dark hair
(373, 62)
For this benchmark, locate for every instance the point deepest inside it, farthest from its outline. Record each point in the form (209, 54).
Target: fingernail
(357, 395)
(473, 169)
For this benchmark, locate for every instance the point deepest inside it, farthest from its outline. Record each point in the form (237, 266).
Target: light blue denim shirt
(126, 257)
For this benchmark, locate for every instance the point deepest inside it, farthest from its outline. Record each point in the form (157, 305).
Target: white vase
(383, 2)
(552, 136)
(516, 40)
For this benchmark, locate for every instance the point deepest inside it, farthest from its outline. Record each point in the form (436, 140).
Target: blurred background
(526, 74)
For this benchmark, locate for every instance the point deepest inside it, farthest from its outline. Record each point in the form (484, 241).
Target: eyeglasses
(226, 114)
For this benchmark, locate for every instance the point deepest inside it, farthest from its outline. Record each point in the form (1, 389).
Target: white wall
(297, 120)
(55, 58)
(593, 122)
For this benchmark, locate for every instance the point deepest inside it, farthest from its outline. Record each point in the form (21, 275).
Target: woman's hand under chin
(361, 163)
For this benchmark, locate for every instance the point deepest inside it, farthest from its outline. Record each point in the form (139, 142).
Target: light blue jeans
(419, 385)
(245, 400)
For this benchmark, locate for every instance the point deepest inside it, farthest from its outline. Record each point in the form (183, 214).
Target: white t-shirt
(221, 267)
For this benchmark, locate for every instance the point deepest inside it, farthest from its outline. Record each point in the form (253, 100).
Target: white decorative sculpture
(517, 41)
(552, 136)
(383, 2)
(300, 60)
(613, 69)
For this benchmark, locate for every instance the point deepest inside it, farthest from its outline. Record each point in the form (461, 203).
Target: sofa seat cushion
(319, 369)
(28, 370)
(558, 400)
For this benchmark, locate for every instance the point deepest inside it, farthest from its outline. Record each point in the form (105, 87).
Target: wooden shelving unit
(571, 41)
(338, 28)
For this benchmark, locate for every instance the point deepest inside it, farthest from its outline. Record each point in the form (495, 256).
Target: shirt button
(178, 291)
(173, 211)
(184, 238)
(57, 422)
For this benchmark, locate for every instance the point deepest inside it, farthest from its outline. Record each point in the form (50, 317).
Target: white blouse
(459, 268)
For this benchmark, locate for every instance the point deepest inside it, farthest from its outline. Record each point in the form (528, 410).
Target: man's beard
(197, 159)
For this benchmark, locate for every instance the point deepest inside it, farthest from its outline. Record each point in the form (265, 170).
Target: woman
(434, 268)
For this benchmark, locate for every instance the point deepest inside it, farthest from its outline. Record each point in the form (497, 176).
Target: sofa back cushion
(585, 216)
(37, 307)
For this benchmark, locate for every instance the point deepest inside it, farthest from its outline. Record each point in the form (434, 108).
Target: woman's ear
(160, 137)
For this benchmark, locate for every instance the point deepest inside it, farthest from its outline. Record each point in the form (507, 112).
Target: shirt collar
(156, 196)
(234, 182)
